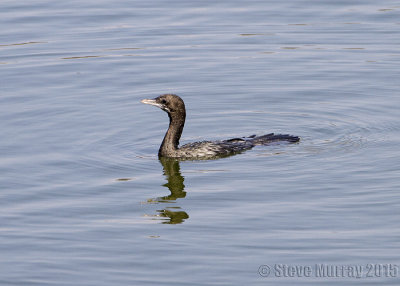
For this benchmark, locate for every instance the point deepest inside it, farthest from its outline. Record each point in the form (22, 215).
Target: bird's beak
(151, 102)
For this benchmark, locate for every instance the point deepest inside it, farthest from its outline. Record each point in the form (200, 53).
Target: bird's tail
(270, 138)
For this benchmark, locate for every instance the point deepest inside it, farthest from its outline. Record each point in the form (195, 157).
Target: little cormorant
(175, 107)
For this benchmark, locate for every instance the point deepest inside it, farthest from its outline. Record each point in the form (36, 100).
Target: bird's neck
(170, 144)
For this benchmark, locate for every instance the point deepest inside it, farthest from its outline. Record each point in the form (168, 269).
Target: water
(84, 198)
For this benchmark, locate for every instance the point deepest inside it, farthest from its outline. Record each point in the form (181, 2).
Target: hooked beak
(151, 102)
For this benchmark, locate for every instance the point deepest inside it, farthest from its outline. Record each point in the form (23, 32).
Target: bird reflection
(175, 180)
(175, 217)
(175, 185)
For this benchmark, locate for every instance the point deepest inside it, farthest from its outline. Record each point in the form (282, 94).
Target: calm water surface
(86, 201)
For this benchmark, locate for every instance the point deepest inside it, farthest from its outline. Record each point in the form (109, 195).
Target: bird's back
(213, 149)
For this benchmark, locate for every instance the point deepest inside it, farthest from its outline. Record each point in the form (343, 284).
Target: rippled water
(86, 201)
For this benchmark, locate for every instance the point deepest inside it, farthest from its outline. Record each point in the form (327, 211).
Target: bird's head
(170, 103)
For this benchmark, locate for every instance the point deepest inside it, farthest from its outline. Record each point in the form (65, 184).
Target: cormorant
(175, 107)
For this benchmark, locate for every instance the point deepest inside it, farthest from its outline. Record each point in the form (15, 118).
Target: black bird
(175, 107)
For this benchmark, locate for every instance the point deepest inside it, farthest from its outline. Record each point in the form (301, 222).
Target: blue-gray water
(84, 198)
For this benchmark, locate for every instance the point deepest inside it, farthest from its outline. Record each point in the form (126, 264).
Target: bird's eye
(163, 101)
